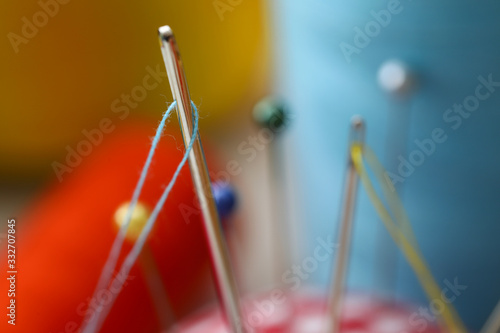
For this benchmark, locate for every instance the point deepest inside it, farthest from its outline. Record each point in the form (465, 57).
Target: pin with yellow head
(138, 220)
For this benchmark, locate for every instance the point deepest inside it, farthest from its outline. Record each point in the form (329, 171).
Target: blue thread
(101, 311)
(110, 264)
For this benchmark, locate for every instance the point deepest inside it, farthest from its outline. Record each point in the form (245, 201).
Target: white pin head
(396, 78)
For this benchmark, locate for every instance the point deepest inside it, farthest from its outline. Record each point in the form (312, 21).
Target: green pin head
(271, 113)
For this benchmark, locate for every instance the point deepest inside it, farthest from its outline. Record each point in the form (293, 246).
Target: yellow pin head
(140, 216)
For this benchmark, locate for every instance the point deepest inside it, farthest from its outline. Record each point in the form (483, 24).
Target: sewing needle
(225, 282)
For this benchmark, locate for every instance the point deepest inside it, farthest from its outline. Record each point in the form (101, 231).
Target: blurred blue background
(452, 197)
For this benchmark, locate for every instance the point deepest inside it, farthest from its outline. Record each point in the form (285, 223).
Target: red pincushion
(64, 239)
(306, 313)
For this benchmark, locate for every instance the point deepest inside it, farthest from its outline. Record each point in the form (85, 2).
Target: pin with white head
(356, 136)
(396, 78)
(223, 275)
(398, 81)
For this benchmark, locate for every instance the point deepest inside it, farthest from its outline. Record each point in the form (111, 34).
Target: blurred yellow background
(73, 62)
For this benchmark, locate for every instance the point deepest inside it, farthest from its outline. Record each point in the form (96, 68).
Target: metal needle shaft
(492, 325)
(224, 277)
(344, 236)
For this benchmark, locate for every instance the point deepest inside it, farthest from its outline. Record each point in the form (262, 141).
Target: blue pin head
(225, 198)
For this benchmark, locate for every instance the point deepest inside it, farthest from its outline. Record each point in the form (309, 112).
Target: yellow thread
(393, 201)
(401, 231)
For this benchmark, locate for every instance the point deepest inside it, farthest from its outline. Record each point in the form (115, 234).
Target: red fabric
(306, 313)
(64, 238)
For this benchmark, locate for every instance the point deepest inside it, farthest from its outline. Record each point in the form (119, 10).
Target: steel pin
(357, 133)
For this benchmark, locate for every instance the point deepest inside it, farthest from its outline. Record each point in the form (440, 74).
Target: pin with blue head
(225, 199)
